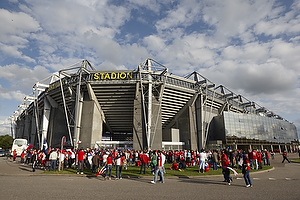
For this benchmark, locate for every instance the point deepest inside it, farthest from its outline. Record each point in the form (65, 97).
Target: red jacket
(225, 161)
(144, 158)
(80, 155)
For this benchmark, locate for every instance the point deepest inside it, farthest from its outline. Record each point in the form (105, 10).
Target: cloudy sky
(251, 47)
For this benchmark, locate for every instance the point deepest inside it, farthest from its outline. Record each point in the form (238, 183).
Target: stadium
(145, 108)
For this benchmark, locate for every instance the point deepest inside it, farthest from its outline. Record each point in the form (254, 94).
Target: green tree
(6, 141)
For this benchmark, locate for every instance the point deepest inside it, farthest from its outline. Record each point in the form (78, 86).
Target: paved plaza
(19, 182)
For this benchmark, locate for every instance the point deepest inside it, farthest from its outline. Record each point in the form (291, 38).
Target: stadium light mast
(149, 121)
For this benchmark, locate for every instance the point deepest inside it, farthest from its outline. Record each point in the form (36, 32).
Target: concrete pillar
(91, 125)
(199, 121)
(156, 126)
(45, 122)
(139, 130)
(279, 148)
(192, 127)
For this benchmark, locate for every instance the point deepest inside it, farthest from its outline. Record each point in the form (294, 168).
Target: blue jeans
(247, 178)
(52, 165)
(159, 170)
(143, 165)
(108, 167)
(130, 161)
(119, 171)
(215, 166)
(80, 165)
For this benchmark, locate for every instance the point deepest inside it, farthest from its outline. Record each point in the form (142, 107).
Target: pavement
(19, 182)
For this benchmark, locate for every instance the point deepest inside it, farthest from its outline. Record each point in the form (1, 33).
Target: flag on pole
(78, 142)
(29, 146)
(45, 146)
(101, 171)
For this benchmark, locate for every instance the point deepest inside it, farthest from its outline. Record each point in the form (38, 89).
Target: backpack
(244, 168)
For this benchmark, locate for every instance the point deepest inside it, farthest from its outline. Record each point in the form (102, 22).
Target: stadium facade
(145, 108)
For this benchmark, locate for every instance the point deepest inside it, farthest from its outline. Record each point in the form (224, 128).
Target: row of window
(259, 128)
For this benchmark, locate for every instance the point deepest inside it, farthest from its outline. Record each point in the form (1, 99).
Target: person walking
(284, 156)
(246, 171)
(225, 165)
(159, 167)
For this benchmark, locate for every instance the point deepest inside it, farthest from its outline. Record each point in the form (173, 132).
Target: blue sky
(251, 47)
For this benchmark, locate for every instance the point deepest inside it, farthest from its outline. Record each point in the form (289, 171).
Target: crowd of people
(97, 160)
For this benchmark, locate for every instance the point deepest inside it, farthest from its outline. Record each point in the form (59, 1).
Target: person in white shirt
(53, 159)
(202, 158)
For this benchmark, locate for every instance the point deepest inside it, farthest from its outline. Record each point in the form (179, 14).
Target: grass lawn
(296, 160)
(134, 171)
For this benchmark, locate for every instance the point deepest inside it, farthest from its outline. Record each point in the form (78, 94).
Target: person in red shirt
(174, 165)
(246, 171)
(254, 159)
(23, 156)
(80, 158)
(109, 163)
(225, 162)
(259, 160)
(14, 155)
(284, 156)
(144, 161)
(267, 157)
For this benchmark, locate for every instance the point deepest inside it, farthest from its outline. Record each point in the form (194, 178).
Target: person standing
(53, 159)
(14, 155)
(254, 159)
(23, 154)
(202, 158)
(80, 158)
(119, 163)
(95, 162)
(259, 160)
(215, 159)
(159, 167)
(284, 156)
(35, 160)
(267, 157)
(246, 172)
(272, 154)
(109, 163)
(144, 161)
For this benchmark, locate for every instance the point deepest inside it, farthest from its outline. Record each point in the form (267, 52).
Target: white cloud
(15, 36)
(288, 23)
(184, 15)
(5, 126)
(22, 77)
